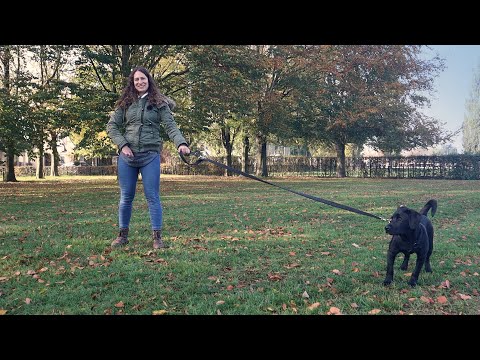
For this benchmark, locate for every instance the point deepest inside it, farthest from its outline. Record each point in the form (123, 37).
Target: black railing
(464, 167)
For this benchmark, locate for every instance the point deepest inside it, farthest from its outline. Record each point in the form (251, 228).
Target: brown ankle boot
(122, 238)
(157, 240)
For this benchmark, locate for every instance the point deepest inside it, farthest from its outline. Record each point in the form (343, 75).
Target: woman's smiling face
(140, 81)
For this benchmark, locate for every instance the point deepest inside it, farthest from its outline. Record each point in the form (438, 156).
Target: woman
(135, 128)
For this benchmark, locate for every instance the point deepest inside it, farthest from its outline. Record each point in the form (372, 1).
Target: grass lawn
(237, 247)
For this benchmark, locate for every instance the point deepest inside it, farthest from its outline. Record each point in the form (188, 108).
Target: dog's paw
(387, 282)
(428, 269)
(412, 282)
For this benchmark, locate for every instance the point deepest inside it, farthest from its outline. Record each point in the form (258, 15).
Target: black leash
(202, 158)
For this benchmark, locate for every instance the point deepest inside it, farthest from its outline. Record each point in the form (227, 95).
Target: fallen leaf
(354, 305)
(464, 297)
(334, 311)
(119, 304)
(426, 300)
(230, 287)
(291, 266)
(159, 312)
(3, 312)
(442, 299)
(305, 295)
(357, 246)
(313, 306)
(220, 302)
(337, 272)
(374, 311)
(28, 301)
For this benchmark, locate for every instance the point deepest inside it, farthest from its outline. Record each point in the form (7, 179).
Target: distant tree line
(236, 96)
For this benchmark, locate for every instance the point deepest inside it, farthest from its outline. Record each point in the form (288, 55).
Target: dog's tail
(431, 204)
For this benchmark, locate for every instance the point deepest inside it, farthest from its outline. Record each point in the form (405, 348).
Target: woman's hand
(127, 151)
(184, 149)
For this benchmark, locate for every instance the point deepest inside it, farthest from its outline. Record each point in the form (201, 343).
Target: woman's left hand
(184, 149)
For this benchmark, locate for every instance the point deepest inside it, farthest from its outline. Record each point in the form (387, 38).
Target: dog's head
(403, 221)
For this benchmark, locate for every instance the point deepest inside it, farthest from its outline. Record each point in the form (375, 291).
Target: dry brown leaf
(274, 277)
(28, 301)
(292, 253)
(464, 297)
(357, 246)
(3, 312)
(313, 306)
(230, 287)
(159, 312)
(337, 272)
(442, 299)
(407, 274)
(284, 306)
(305, 295)
(119, 304)
(220, 302)
(426, 300)
(291, 266)
(334, 311)
(354, 305)
(374, 311)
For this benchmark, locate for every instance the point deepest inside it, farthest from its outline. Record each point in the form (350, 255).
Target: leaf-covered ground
(237, 247)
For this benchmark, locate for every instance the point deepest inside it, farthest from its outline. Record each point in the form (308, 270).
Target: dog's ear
(413, 219)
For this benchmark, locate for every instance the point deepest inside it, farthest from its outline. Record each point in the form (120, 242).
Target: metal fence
(464, 167)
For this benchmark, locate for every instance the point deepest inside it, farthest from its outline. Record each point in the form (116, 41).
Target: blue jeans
(127, 178)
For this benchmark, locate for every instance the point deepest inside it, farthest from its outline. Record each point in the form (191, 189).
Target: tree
(471, 123)
(370, 94)
(101, 73)
(221, 78)
(15, 123)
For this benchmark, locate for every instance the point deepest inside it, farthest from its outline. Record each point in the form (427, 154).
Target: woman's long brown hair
(130, 94)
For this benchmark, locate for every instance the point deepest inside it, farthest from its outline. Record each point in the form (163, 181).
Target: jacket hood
(170, 102)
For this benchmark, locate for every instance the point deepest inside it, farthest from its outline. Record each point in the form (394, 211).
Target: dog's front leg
(418, 267)
(406, 258)
(391, 254)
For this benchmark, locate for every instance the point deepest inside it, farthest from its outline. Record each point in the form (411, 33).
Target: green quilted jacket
(139, 126)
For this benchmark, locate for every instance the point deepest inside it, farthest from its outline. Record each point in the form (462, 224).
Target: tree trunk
(10, 167)
(40, 163)
(246, 150)
(340, 149)
(261, 156)
(227, 144)
(55, 157)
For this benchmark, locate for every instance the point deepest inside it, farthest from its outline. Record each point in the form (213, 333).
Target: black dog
(412, 233)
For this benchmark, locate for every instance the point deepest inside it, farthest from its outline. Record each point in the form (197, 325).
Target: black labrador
(412, 232)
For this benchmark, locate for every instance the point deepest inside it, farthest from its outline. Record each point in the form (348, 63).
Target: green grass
(238, 247)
